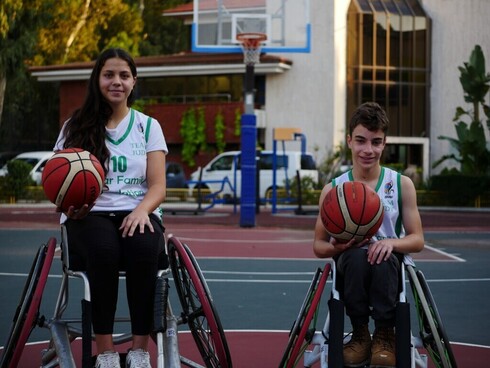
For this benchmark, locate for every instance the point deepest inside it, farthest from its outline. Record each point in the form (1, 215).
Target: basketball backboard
(216, 24)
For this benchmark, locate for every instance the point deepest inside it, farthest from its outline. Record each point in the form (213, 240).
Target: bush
(459, 189)
(18, 178)
(308, 194)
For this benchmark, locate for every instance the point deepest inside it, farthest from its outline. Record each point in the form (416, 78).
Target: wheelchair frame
(326, 346)
(198, 312)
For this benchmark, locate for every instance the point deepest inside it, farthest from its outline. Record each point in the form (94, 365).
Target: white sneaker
(108, 359)
(138, 359)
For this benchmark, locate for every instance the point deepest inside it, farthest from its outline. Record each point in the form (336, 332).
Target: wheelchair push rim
(432, 331)
(27, 312)
(198, 306)
(300, 338)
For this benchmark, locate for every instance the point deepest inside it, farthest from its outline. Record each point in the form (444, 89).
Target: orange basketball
(73, 177)
(351, 210)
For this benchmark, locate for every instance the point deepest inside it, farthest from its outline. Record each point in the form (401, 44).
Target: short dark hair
(371, 116)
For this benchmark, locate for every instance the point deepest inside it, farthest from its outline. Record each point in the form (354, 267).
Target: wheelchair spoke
(303, 330)
(27, 313)
(432, 331)
(197, 305)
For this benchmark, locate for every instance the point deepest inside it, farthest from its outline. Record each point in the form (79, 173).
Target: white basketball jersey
(388, 189)
(128, 143)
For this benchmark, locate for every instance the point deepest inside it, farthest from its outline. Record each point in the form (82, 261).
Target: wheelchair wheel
(432, 330)
(198, 307)
(27, 311)
(301, 333)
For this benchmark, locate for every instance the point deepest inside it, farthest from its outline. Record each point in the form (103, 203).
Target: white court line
(272, 281)
(233, 230)
(309, 240)
(265, 241)
(456, 258)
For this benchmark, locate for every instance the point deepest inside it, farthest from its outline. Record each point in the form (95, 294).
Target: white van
(223, 166)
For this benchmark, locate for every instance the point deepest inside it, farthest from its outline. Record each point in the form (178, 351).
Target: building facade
(417, 81)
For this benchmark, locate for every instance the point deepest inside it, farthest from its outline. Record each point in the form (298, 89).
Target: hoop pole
(249, 92)
(249, 170)
(248, 198)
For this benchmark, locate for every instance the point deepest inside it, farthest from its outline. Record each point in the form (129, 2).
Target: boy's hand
(351, 243)
(379, 251)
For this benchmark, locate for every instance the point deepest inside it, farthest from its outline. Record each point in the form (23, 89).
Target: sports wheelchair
(326, 346)
(197, 312)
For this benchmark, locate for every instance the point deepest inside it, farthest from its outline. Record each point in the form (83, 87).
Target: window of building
(190, 89)
(388, 43)
(203, 88)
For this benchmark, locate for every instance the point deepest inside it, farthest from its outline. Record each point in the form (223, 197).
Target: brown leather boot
(383, 349)
(358, 349)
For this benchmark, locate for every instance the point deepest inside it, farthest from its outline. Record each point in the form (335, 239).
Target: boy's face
(366, 146)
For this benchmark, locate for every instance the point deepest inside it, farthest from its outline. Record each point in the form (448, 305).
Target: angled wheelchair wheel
(302, 333)
(432, 330)
(198, 307)
(27, 311)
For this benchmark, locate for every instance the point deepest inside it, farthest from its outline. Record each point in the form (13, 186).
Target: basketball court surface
(258, 276)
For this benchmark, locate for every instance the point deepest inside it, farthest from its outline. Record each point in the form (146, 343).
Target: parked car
(7, 156)
(36, 159)
(227, 165)
(175, 175)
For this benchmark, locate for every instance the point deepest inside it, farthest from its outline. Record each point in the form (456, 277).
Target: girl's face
(116, 81)
(366, 146)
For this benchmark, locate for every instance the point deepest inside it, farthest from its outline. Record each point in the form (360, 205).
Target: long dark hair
(86, 128)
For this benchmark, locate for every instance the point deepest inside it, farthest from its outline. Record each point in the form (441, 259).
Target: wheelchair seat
(72, 262)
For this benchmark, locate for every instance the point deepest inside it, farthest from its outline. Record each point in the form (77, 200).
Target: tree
(50, 32)
(93, 25)
(19, 21)
(163, 35)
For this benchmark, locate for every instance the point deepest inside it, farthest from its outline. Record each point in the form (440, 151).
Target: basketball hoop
(251, 44)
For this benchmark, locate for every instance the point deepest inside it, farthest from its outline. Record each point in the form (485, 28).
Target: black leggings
(96, 244)
(363, 286)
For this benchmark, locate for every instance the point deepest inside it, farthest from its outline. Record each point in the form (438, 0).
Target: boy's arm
(413, 241)
(323, 245)
(414, 236)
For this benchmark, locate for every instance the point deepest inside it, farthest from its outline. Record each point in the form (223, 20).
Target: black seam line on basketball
(355, 222)
(79, 158)
(363, 207)
(84, 173)
(338, 205)
(57, 167)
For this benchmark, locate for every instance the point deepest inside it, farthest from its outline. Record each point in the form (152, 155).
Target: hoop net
(251, 44)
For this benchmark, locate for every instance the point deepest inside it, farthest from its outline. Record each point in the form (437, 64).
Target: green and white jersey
(125, 183)
(388, 189)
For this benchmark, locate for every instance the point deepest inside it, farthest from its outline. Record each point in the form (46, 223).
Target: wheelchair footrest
(403, 335)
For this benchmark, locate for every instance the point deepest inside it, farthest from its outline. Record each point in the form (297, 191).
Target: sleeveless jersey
(388, 189)
(128, 144)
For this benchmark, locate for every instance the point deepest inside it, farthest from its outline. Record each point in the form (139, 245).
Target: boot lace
(385, 338)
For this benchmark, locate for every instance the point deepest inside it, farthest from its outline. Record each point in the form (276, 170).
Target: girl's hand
(76, 214)
(136, 219)
(341, 245)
